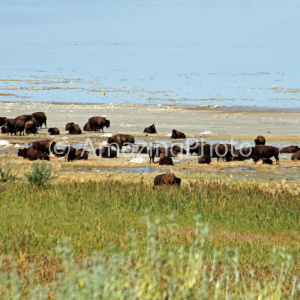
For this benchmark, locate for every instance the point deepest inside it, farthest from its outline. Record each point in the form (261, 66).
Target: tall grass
(165, 270)
(161, 260)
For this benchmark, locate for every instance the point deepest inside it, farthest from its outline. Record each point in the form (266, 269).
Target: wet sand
(194, 121)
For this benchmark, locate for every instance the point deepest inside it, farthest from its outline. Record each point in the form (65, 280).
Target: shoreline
(224, 108)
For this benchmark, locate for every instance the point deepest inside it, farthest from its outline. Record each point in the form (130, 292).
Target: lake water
(227, 53)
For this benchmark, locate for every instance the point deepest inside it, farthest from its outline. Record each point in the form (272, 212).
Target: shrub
(41, 174)
(6, 174)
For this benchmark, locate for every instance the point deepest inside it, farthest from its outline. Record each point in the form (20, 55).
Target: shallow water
(238, 53)
(240, 169)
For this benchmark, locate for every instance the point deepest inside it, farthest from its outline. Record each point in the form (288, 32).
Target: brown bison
(175, 150)
(154, 152)
(267, 161)
(151, 129)
(263, 152)
(98, 123)
(106, 152)
(11, 126)
(289, 149)
(69, 153)
(260, 140)
(73, 128)
(177, 134)
(242, 154)
(204, 160)
(157, 151)
(46, 146)
(224, 151)
(31, 127)
(4, 129)
(20, 126)
(199, 149)
(168, 179)
(25, 118)
(142, 149)
(81, 154)
(33, 154)
(53, 131)
(165, 159)
(296, 155)
(120, 140)
(86, 127)
(39, 117)
(3, 121)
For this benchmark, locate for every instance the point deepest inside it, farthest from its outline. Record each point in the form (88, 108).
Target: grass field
(208, 238)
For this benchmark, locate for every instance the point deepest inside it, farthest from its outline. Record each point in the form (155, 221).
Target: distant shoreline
(233, 108)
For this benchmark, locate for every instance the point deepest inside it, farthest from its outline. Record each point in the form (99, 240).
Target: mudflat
(209, 123)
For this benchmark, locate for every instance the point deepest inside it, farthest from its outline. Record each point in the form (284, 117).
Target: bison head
(22, 152)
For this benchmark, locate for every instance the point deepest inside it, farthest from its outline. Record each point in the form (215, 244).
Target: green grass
(95, 216)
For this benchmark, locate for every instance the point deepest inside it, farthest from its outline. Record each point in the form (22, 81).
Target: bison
(46, 146)
(4, 129)
(119, 140)
(39, 117)
(296, 155)
(20, 126)
(11, 126)
(204, 160)
(177, 134)
(289, 149)
(175, 150)
(165, 159)
(106, 152)
(86, 127)
(69, 153)
(267, 161)
(263, 152)
(242, 154)
(151, 129)
(168, 179)
(198, 148)
(260, 140)
(73, 128)
(142, 149)
(33, 154)
(223, 151)
(81, 154)
(3, 121)
(53, 131)
(25, 118)
(31, 127)
(98, 123)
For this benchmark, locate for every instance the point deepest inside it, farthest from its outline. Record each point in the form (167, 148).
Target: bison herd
(29, 124)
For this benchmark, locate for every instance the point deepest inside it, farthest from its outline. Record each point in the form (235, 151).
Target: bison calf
(53, 131)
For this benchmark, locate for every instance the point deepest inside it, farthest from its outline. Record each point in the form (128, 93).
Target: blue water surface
(227, 53)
